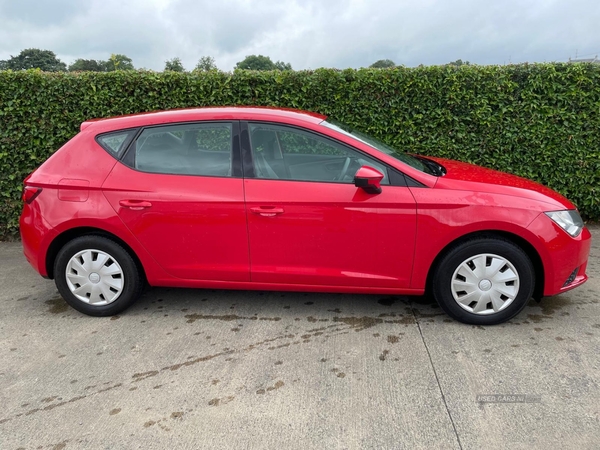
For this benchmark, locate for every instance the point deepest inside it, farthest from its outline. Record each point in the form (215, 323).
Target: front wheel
(97, 276)
(484, 281)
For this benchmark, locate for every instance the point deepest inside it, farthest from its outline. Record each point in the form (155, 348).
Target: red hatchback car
(259, 198)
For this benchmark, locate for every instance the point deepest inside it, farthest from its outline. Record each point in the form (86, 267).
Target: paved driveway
(230, 370)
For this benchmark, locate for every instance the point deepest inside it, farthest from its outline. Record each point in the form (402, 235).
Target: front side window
(287, 153)
(185, 149)
(419, 163)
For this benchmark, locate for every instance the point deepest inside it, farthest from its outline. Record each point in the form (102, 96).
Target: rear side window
(115, 142)
(185, 149)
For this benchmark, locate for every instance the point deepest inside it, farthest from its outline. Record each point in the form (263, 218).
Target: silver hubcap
(485, 284)
(94, 277)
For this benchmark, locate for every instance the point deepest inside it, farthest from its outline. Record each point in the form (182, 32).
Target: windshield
(417, 163)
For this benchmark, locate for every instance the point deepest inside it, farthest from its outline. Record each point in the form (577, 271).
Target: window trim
(128, 158)
(396, 177)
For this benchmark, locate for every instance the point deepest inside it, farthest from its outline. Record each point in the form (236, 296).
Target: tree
(260, 62)
(33, 58)
(280, 65)
(174, 65)
(118, 62)
(383, 64)
(206, 64)
(459, 62)
(256, 62)
(87, 65)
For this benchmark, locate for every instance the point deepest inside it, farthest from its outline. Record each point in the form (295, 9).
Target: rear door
(179, 189)
(309, 225)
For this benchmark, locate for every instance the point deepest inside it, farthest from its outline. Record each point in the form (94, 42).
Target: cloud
(40, 13)
(308, 34)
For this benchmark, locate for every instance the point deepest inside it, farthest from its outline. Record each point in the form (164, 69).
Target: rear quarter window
(115, 142)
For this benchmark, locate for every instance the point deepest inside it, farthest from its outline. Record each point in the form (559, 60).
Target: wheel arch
(68, 235)
(522, 243)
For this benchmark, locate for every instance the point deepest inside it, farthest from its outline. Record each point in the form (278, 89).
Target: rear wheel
(484, 281)
(97, 276)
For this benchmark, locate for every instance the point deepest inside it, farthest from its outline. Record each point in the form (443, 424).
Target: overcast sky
(308, 33)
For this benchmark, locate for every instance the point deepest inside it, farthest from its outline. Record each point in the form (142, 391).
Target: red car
(259, 198)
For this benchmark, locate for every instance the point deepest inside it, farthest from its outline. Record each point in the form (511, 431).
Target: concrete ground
(271, 370)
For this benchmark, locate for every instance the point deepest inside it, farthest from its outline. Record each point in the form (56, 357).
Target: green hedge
(540, 121)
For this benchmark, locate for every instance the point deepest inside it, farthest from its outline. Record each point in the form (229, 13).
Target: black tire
(132, 282)
(443, 273)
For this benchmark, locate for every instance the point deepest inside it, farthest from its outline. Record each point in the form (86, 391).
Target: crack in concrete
(437, 379)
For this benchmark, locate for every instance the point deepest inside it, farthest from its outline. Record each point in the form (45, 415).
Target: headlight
(568, 220)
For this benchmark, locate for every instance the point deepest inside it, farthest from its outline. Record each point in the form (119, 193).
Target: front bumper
(561, 255)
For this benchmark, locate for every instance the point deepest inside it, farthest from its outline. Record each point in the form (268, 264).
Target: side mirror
(368, 179)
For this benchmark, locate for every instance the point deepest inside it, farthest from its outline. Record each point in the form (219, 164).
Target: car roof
(208, 113)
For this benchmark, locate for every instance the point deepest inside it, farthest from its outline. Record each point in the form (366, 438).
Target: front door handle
(135, 205)
(267, 211)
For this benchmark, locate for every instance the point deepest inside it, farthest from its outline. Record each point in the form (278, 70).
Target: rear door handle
(267, 211)
(135, 205)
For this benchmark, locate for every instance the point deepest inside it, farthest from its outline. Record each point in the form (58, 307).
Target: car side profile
(274, 199)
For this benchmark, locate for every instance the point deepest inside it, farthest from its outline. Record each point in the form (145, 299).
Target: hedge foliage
(541, 121)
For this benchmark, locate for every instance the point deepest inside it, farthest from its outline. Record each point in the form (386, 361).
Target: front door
(309, 225)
